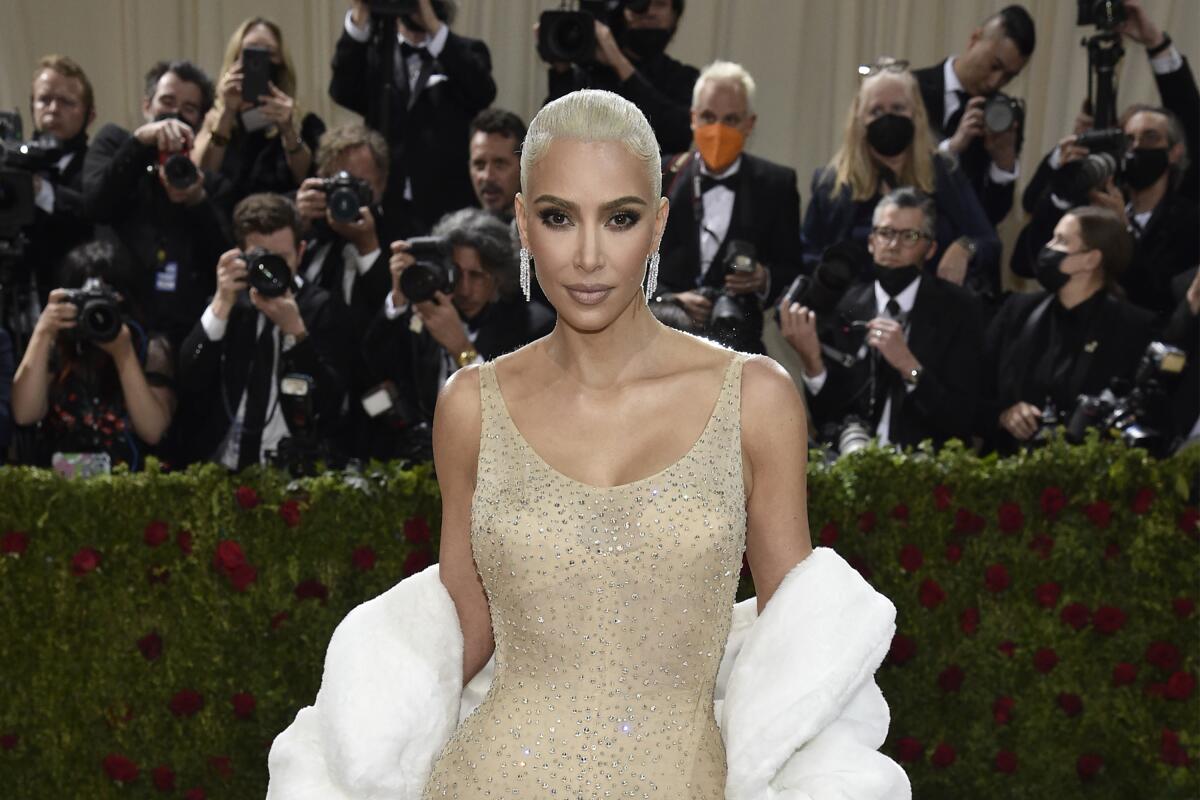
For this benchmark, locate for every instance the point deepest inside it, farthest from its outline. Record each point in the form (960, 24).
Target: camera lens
(343, 204)
(420, 281)
(180, 171)
(100, 321)
(998, 114)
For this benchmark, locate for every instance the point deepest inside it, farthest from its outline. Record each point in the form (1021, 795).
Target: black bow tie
(407, 50)
(708, 182)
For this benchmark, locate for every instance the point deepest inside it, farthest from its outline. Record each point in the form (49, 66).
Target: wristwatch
(913, 376)
(969, 245)
(467, 356)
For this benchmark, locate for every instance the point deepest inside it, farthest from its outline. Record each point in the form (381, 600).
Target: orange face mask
(719, 145)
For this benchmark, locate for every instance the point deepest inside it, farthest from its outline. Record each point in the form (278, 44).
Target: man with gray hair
(732, 242)
(898, 355)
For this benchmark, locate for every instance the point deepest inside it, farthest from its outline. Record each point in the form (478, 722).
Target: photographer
(495, 165)
(62, 105)
(441, 81)
(252, 334)
(1045, 349)
(6, 379)
(888, 143)
(960, 92)
(723, 200)
(907, 342)
(633, 62)
(1183, 331)
(171, 217)
(92, 379)
(262, 144)
(418, 345)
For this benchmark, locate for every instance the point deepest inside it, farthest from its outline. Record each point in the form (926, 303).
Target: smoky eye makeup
(554, 217)
(628, 218)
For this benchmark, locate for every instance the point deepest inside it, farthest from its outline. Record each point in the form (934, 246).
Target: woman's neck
(605, 358)
(1079, 289)
(893, 163)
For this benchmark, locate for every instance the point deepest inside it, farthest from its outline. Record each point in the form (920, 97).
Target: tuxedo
(1183, 331)
(55, 233)
(215, 374)
(1179, 93)
(944, 333)
(996, 198)
(6, 379)
(427, 128)
(174, 248)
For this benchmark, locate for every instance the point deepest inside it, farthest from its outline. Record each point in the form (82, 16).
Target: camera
(832, 276)
(731, 320)
(1073, 182)
(1002, 113)
(177, 167)
(302, 452)
(267, 272)
(98, 312)
(843, 438)
(345, 194)
(1104, 14)
(571, 35)
(433, 271)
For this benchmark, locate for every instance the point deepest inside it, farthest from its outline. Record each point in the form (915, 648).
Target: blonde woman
(887, 144)
(600, 487)
(264, 145)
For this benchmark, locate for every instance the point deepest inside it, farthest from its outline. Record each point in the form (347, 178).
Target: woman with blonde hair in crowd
(258, 145)
(887, 144)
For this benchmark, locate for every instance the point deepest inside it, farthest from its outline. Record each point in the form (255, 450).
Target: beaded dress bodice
(610, 608)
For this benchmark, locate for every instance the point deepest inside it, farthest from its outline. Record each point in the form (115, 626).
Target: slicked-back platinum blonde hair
(593, 115)
(726, 72)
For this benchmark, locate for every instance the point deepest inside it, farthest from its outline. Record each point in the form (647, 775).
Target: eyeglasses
(907, 236)
(883, 64)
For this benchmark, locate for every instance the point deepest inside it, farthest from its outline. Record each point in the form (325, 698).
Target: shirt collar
(953, 84)
(906, 298)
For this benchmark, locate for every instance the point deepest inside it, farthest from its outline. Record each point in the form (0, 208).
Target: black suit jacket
(429, 141)
(54, 235)
(1179, 94)
(945, 335)
(996, 198)
(213, 374)
(1183, 331)
(119, 191)
(6, 378)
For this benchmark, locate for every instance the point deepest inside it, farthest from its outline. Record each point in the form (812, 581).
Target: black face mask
(646, 43)
(1144, 166)
(890, 134)
(174, 115)
(1048, 270)
(895, 280)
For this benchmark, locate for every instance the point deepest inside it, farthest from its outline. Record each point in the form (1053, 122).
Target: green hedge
(157, 630)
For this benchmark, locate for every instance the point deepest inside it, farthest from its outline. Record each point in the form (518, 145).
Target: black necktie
(708, 182)
(407, 50)
(886, 378)
(893, 308)
(258, 392)
(956, 117)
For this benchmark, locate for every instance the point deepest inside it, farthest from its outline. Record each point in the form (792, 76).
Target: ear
(975, 36)
(871, 244)
(660, 221)
(300, 250)
(932, 251)
(91, 117)
(146, 108)
(750, 121)
(519, 217)
(695, 121)
(1176, 152)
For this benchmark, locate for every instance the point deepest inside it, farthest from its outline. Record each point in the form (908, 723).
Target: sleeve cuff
(816, 382)
(390, 309)
(999, 176)
(364, 263)
(354, 32)
(1167, 62)
(1055, 160)
(45, 196)
(438, 43)
(944, 146)
(1059, 203)
(214, 326)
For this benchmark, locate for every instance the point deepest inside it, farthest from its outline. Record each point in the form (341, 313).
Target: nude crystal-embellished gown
(610, 609)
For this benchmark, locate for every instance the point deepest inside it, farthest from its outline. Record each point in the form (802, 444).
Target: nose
(588, 256)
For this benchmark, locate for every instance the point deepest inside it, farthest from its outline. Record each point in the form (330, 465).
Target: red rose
(1042, 545)
(186, 703)
(241, 576)
(1180, 685)
(155, 533)
(931, 594)
(1010, 518)
(1053, 501)
(1006, 762)
(222, 765)
(195, 794)
(416, 530)
(1099, 513)
(951, 678)
(967, 521)
(941, 496)
(279, 618)
(312, 589)
(902, 650)
(246, 497)
(418, 560)
(1109, 619)
(8, 741)
(184, 540)
(289, 512)
(1071, 704)
(1142, 500)
(1124, 674)
(243, 705)
(943, 756)
(1077, 615)
(84, 561)
(1189, 521)
(1045, 659)
(228, 556)
(1112, 551)
(1002, 710)
(151, 645)
(911, 558)
(164, 778)
(996, 578)
(954, 552)
(363, 559)
(120, 768)
(1163, 655)
(1172, 753)
(900, 513)
(1156, 689)
(866, 522)
(14, 543)
(829, 534)
(969, 621)
(1047, 594)
(1183, 606)
(909, 749)
(1088, 765)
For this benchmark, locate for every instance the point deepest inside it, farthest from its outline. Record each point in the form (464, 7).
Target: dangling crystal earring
(651, 275)
(525, 273)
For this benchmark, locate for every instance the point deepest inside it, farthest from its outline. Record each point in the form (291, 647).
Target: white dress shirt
(353, 265)
(953, 87)
(44, 199)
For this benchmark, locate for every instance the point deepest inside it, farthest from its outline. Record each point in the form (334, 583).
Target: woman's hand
(279, 109)
(119, 347)
(230, 89)
(58, 315)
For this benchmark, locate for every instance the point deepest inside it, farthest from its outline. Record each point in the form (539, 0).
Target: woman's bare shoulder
(457, 421)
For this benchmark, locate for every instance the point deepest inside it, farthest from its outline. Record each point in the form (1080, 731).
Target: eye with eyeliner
(548, 215)
(632, 218)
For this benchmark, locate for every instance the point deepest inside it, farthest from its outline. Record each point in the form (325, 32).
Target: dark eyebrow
(620, 201)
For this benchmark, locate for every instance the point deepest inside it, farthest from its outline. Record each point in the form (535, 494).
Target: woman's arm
(456, 426)
(150, 407)
(775, 453)
(31, 384)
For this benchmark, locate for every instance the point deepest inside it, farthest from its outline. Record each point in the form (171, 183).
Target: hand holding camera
(232, 278)
(443, 322)
(697, 306)
(59, 315)
(799, 327)
(887, 336)
(310, 199)
(741, 281)
(401, 259)
(280, 309)
(1138, 26)
(970, 127)
(1022, 420)
(230, 90)
(170, 135)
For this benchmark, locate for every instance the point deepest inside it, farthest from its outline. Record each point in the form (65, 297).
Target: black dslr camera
(731, 321)
(345, 194)
(833, 275)
(1106, 158)
(178, 168)
(98, 313)
(18, 161)
(433, 271)
(1002, 113)
(1104, 14)
(571, 35)
(268, 273)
